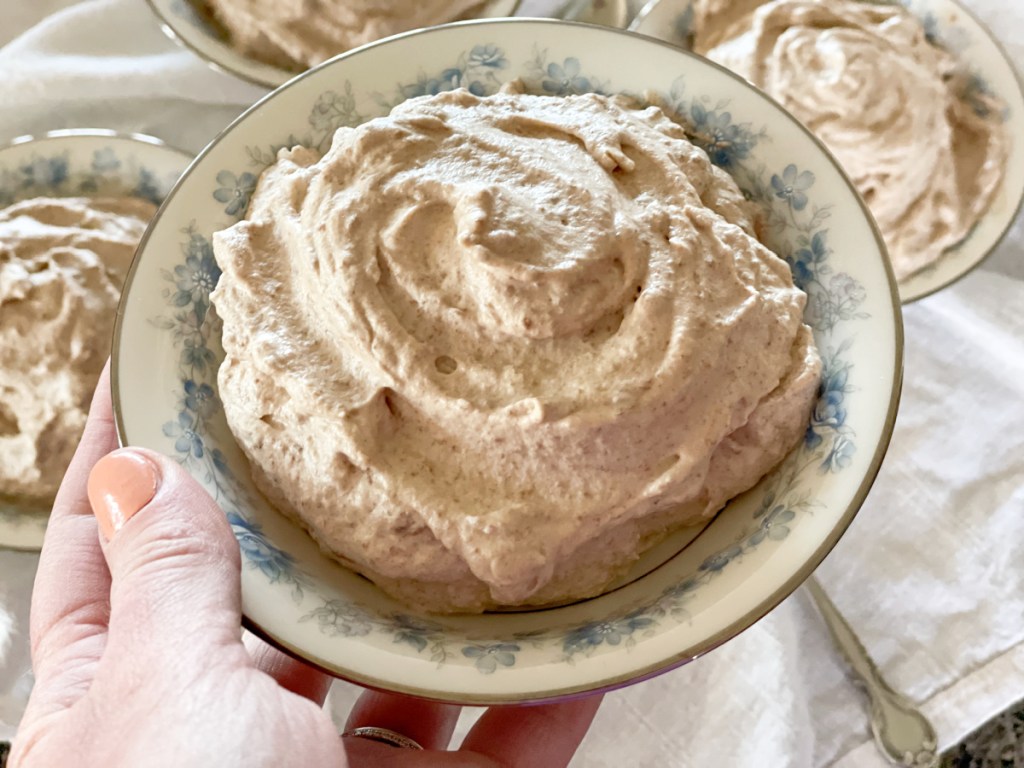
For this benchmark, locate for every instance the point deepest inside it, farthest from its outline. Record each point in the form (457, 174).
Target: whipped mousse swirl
(488, 350)
(884, 99)
(297, 34)
(62, 264)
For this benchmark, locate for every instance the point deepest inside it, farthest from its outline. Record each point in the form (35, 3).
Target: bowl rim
(1018, 79)
(93, 133)
(651, 6)
(56, 137)
(170, 29)
(684, 655)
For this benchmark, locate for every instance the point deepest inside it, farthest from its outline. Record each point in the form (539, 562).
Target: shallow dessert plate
(190, 23)
(753, 554)
(990, 72)
(84, 163)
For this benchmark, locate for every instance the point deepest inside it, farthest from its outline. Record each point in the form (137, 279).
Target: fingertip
(171, 552)
(119, 486)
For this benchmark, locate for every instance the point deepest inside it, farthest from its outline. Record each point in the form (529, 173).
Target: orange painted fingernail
(121, 484)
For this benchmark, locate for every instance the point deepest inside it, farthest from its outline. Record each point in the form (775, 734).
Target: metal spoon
(903, 734)
(657, 18)
(608, 13)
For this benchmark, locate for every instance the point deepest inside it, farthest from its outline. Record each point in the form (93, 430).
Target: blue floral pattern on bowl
(695, 585)
(53, 174)
(193, 24)
(794, 217)
(674, 20)
(985, 80)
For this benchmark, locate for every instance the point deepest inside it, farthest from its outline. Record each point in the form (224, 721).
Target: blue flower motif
(104, 160)
(767, 503)
(275, 563)
(565, 79)
(829, 412)
(613, 632)
(198, 276)
(806, 262)
(340, 618)
(487, 56)
(200, 399)
(449, 80)
(829, 409)
(235, 191)
(490, 657)
(715, 133)
(187, 440)
(847, 290)
(683, 588)
(812, 438)
(719, 560)
(147, 188)
(195, 355)
(410, 630)
(220, 463)
(773, 526)
(331, 111)
(46, 172)
(792, 186)
(841, 455)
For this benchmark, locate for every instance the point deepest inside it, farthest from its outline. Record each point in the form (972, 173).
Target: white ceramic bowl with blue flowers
(190, 23)
(950, 25)
(697, 590)
(78, 163)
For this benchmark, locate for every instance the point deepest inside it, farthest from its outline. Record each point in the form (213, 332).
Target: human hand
(139, 657)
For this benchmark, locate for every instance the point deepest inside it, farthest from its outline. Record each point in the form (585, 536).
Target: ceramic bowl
(990, 72)
(190, 23)
(696, 590)
(82, 163)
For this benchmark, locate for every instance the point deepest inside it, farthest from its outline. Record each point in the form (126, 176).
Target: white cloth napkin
(930, 574)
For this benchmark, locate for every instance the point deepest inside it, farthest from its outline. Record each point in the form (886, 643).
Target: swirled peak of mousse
(62, 264)
(296, 34)
(884, 99)
(488, 350)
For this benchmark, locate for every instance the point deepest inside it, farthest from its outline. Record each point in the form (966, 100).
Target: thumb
(174, 562)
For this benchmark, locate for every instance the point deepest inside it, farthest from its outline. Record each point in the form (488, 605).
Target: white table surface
(931, 574)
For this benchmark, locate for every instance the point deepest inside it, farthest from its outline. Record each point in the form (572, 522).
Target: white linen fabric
(930, 575)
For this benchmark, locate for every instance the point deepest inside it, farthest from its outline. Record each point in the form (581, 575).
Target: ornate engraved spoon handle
(901, 732)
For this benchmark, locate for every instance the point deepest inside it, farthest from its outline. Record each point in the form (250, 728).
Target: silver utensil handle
(610, 13)
(903, 734)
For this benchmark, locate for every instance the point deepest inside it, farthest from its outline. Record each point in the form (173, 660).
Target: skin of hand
(140, 660)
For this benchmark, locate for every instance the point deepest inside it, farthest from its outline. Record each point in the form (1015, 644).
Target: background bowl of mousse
(192, 24)
(688, 595)
(989, 72)
(74, 163)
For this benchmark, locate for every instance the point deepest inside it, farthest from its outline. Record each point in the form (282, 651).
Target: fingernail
(121, 484)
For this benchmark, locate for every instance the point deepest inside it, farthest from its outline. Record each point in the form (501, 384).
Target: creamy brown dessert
(887, 102)
(489, 350)
(296, 34)
(62, 265)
